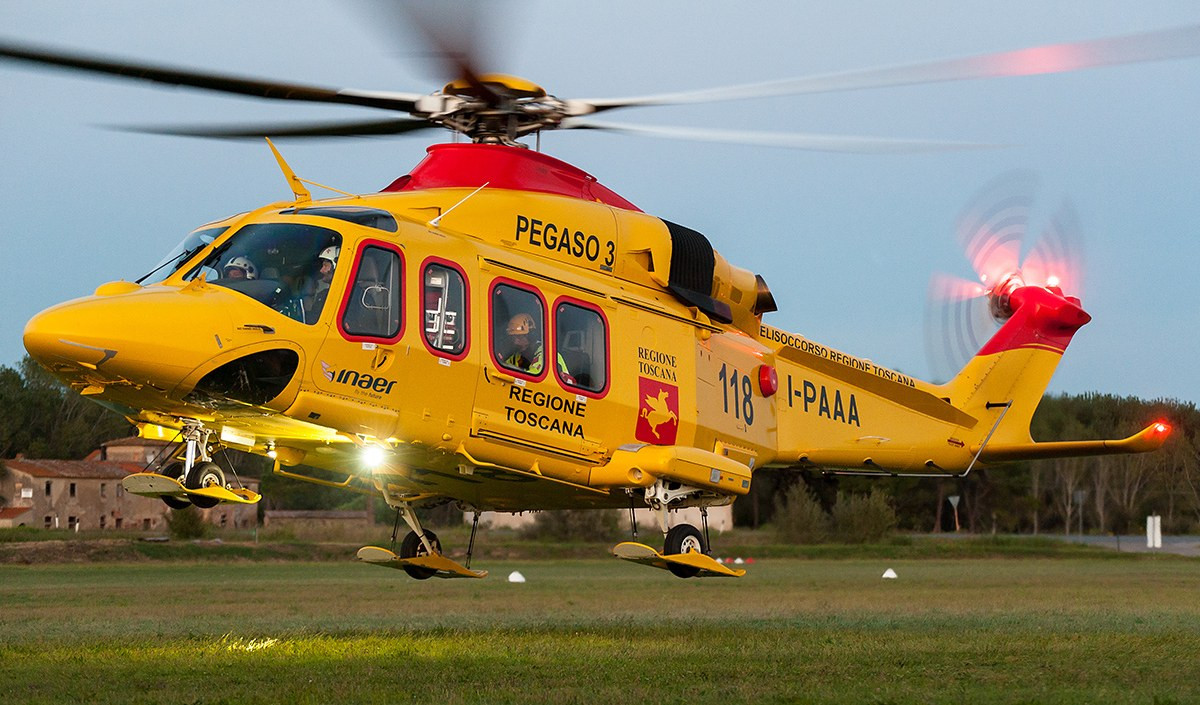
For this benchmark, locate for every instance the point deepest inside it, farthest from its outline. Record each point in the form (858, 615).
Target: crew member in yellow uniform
(527, 350)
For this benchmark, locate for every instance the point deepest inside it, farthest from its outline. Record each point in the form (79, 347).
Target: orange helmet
(521, 324)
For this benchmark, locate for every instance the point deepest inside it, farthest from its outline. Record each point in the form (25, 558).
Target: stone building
(142, 451)
(75, 495)
(87, 494)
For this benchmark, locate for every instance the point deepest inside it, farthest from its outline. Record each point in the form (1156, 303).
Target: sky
(848, 242)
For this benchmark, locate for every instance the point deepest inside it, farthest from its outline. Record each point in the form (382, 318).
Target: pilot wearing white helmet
(240, 268)
(318, 286)
(326, 261)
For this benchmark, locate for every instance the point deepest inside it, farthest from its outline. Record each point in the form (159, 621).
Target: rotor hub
(1000, 296)
(495, 108)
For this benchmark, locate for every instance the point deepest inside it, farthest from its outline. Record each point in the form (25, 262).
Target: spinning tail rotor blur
(994, 231)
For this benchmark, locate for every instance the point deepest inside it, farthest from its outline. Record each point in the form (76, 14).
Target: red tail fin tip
(1042, 318)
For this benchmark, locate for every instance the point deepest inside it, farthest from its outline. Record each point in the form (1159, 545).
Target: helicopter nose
(142, 336)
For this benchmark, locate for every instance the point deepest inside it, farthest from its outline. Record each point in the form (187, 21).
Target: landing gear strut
(420, 554)
(196, 471)
(193, 481)
(685, 548)
(416, 543)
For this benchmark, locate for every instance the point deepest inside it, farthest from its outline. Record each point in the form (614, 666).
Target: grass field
(1067, 630)
(1018, 630)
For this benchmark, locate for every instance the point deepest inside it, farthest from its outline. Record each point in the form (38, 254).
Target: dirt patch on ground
(135, 550)
(34, 552)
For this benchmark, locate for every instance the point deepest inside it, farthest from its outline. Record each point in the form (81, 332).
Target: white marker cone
(889, 574)
(516, 577)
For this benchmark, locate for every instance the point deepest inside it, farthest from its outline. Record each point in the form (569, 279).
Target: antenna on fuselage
(298, 190)
(438, 220)
(296, 183)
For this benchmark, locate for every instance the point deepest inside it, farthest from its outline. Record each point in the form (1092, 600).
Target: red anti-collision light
(768, 380)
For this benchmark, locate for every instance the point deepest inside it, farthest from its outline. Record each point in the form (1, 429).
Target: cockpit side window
(372, 308)
(285, 266)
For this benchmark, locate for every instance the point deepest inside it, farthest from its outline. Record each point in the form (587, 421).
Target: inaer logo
(658, 412)
(361, 380)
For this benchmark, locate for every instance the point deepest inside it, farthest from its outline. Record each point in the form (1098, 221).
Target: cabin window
(444, 309)
(581, 346)
(372, 309)
(518, 330)
(286, 266)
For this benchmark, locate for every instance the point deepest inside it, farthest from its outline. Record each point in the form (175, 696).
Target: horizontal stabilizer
(1150, 438)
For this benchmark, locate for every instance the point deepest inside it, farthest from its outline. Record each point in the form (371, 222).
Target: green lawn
(1067, 630)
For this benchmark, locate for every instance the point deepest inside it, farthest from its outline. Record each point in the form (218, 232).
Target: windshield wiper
(177, 261)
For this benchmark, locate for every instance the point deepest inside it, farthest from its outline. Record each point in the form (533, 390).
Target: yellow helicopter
(498, 329)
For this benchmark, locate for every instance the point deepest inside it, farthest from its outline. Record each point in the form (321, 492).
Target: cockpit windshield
(193, 243)
(287, 266)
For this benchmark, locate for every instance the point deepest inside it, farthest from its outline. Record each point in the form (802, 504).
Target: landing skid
(705, 566)
(442, 566)
(148, 484)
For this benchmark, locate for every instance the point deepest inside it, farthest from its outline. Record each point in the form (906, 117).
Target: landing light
(373, 456)
(1052, 281)
(1161, 427)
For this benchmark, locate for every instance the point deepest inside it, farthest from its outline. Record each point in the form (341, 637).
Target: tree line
(39, 418)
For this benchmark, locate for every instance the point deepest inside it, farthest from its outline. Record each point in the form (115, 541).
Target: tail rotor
(994, 233)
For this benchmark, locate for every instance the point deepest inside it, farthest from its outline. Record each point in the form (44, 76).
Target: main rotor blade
(1160, 45)
(456, 32)
(792, 140)
(452, 29)
(394, 126)
(220, 83)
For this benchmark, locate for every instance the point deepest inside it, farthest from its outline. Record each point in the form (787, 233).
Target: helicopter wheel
(412, 547)
(684, 538)
(204, 475)
(175, 502)
(172, 470)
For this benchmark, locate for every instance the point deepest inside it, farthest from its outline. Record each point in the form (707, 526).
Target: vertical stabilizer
(1016, 364)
